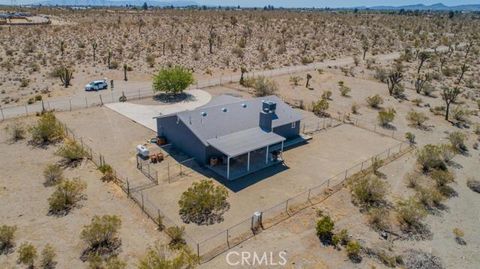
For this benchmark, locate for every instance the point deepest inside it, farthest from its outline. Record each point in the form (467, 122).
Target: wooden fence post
(101, 101)
(3, 116)
(228, 243)
(286, 206)
(198, 251)
(128, 188)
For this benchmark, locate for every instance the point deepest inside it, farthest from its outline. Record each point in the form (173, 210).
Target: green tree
(203, 203)
(27, 254)
(172, 80)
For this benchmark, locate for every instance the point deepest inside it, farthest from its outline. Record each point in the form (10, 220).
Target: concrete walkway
(143, 114)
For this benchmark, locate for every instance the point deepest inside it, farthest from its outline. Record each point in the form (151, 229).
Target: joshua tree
(211, 39)
(393, 80)
(243, 70)
(450, 95)
(464, 69)
(420, 82)
(365, 46)
(66, 76)
(62, 47)
(94, 47)
(423, 57)
(125, 69)
(109, 59)
(309, 77)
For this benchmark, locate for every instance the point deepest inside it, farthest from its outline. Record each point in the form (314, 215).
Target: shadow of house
(232, 137)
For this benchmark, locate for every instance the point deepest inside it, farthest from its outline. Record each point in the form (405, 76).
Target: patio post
(248, 161)
(228, 167)
(266, 157)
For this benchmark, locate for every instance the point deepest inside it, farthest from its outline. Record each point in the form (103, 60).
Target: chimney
(266, 115)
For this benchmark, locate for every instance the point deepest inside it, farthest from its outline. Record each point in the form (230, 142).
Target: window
(293, 124)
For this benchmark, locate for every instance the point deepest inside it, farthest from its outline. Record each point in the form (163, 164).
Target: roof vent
(244, 105)
(204, 114)
(224, 109)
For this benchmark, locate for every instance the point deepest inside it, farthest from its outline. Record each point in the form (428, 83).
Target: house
(233, 136)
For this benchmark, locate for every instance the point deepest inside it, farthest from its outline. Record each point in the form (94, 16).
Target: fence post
(70, 101)
(286, 206)
(388, 153)
(128, 188)
(346, 171)
(328, 183)
(361, 168)
(86, 102)
(26, 109)
(3, 116)
(101, 101)
(168, 172)
(156, 176)
(198, 251)
(143, 208)
(138, 93)
(309, 191)
(228, 243)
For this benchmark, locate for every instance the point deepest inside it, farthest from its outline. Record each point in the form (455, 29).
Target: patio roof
(242, 142)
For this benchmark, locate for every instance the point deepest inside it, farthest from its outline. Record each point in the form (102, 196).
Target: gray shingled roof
(248, 140)
(227, 118)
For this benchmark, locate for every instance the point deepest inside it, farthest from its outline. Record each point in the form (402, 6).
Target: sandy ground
(23, 202)
(144, 114)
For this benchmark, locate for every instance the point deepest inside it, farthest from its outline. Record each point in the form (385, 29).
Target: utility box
(143, 151)
(256, 221)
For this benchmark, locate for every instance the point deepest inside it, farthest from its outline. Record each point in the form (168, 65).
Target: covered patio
(245, 152)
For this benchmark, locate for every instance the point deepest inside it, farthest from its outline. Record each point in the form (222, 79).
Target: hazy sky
(306, 3)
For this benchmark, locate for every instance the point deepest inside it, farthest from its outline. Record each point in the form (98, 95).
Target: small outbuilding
(233, 136)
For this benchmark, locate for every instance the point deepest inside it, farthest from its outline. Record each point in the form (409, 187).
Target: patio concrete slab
(143, 114)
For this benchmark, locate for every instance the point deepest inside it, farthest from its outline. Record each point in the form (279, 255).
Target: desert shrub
(417, 101)
(172, 80)
(410, 137)
(7, 235)
(159, 222)
(295, 80)
(429, 197)
(101, 235)
(430, 157)
(385, 117)
(410, 212)
(413, 179)
(67, 194)
(459, 234)
(320, 107)
(327, 95)
(438, 110)
(428, 89)
(27, 254)
(447, 152)
(457, 140)
(354, 108)
(203, 203)
(324, 229)
(16, 131)
(378, 219)
(340, 238)
(249, 82)
(150, 59)
(353, 250)
(107, 172)
(381, 74)
(474, 185)
(442, 177)
(176, 234)
(376, 164)
(461, 114)
(48, 255)
(344, 90)
(160, 256)
(374, 101)
(264, 86)
(369, 191)
(53, 174)
(47, 129)
(414, 259)
(71, 151)
(416, 119)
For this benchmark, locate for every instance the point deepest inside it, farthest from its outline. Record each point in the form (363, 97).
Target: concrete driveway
(143, 114)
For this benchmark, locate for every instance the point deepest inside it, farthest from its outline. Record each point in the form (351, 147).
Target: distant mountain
(434, 7)
(115, 3)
